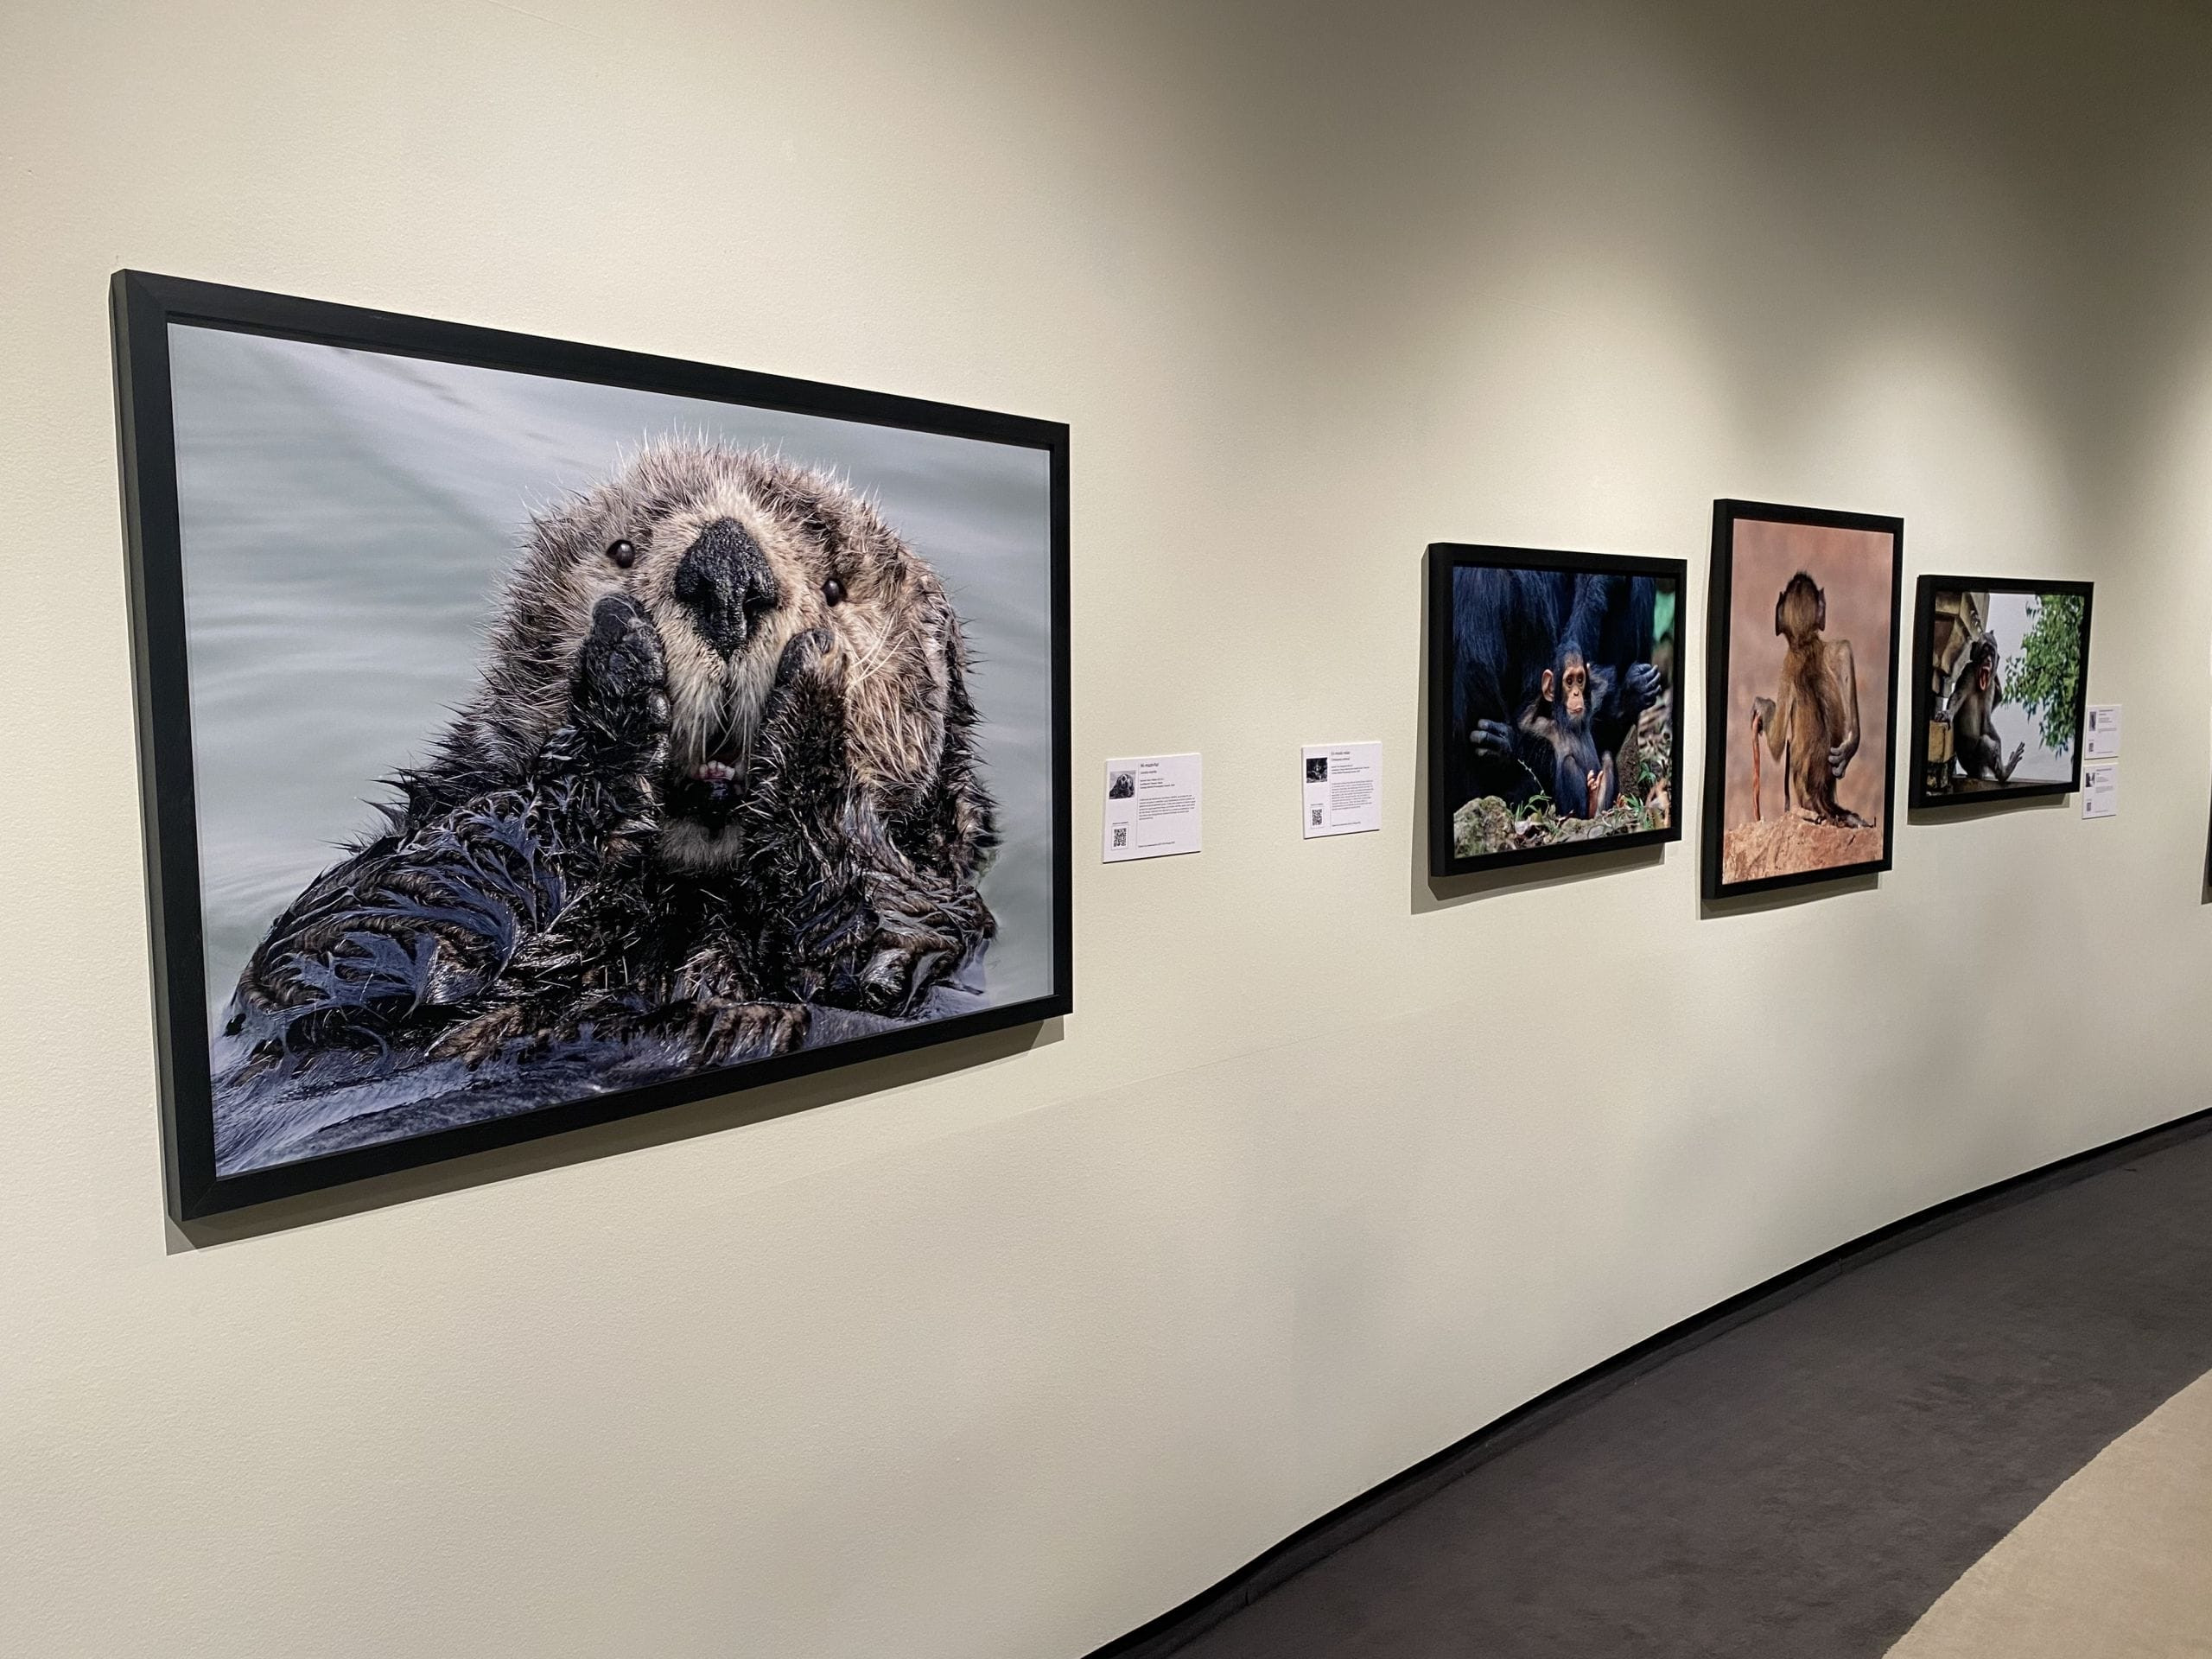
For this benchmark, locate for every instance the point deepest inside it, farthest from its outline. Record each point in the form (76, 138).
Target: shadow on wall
(655, 1129)
(1752, 904)
(1967, 809)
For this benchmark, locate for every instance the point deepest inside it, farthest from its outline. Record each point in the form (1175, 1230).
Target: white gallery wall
(1003, 1351)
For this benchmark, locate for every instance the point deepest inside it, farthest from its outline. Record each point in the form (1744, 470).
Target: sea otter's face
(728, 570)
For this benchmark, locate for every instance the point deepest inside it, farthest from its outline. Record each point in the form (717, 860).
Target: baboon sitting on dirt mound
(1811, 725)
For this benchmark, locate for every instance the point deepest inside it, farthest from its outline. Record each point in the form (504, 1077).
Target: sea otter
(719, 767)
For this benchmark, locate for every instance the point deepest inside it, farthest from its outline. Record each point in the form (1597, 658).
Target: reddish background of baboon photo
(1854, 569)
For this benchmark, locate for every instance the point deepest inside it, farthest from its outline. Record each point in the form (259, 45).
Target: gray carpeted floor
(1808, 1482)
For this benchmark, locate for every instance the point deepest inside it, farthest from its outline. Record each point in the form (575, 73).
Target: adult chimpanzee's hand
(1491, 737)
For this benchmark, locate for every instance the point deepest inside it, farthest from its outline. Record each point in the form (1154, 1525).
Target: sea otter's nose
(725, 582)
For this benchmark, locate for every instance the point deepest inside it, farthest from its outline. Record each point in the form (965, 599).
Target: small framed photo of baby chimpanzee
(535, 734)
(2000, 667)
(1800, 687)
(1553, 704)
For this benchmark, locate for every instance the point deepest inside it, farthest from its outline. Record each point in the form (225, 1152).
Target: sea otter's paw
(905, 968)
(621, 694)
(800, 777)
(722, 1031)
(807, 655)
(805, 708)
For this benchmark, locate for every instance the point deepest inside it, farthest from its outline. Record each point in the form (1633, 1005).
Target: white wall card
(1152, 806)
(1344, 789)
(2100, 790)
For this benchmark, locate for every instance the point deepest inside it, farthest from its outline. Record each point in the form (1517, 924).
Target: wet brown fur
(541, 883)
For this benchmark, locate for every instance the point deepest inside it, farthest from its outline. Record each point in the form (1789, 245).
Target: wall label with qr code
(2100, 789)
(1152, 807)
(1344, 788)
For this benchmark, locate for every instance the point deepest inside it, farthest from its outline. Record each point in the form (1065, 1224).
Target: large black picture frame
(1923, 798)
(1445, 560)
(1727, 513)
(143, 308)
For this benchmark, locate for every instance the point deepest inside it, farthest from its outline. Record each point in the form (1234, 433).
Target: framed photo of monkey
(2000, 667)
(1553, 704)
(535, 734)
(1801, 689)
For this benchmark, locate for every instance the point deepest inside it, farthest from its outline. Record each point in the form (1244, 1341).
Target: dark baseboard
(1309, 1544)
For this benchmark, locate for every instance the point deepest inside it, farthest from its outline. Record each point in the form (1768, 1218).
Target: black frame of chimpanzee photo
(832, 654)
(1929, 753)
(1727, 514)
(1520, 699)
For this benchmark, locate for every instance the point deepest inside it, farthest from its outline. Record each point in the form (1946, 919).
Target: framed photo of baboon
(1553, 704)
(1999, 670)
(1801, 694)
(535, 734)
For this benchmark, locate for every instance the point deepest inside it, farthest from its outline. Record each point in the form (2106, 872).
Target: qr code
(1317, 817)
(1120, 835)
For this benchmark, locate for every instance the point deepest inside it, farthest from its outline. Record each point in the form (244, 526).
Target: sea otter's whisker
(864, 666)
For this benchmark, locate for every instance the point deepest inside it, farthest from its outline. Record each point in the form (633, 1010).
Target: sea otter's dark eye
(834, 591)
(622, 553)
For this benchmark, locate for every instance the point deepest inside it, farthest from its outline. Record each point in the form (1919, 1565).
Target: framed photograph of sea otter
(1999, 669)
(536, 734)
(1800, 687)
(1553, 705)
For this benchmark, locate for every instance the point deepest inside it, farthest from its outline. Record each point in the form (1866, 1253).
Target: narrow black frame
(1924, 635)
(1727, 512)
(1443, 559)
(142, 307)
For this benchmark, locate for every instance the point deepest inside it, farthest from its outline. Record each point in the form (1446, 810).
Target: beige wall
(1330, 1168)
